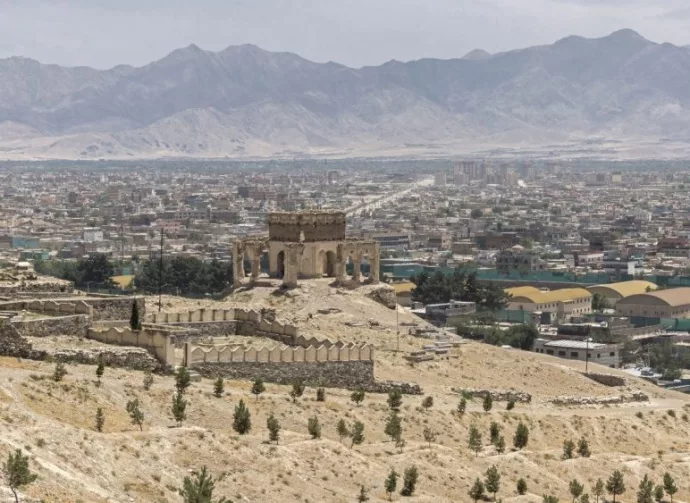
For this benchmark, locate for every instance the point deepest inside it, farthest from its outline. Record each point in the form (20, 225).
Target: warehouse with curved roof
(563, 302)
(613, 292)
(671, 303)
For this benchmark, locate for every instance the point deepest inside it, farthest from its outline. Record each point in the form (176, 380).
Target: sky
(105, 33)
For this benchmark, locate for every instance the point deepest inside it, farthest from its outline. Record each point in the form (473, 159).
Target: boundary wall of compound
(157, 341)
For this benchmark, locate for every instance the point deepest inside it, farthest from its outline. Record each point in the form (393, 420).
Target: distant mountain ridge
(245, 101)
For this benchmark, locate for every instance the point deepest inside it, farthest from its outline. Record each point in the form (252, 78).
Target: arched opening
(281, 264)
(305, 270)
(330, 264)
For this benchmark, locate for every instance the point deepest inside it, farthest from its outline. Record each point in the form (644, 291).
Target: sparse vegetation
(568, 449)
(493, 481)
(428, 402)
(136, 415)
(242, 419)
(487, 403)
(391, 483)
(477, 490)
(394, 427)
(394, 399)
(429, 435)
(521, 436)
(320, 395)
(134, 322)
(583, 448)
(273, 429)
(183, 380)
(59, 372)
(521, 486)
(357, 396)
(409, 481)
(100, 369)
(100, 419)
(615, 485)
(199, 488)
(148, 379)
(357, 433)
(258, 388)
(218, 387)
(670, 485)
(576, 489)
(475, 440)
(297, 390)
(179, 408)
(16, 472)
(314, 427)
(462, 406)
(511, 404)
(343, 430)
(645, 492)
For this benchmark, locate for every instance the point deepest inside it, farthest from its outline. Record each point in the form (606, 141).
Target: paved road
(357, 210)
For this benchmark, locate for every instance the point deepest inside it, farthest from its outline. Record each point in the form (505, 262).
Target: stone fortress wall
(97, 308)
(159, 342)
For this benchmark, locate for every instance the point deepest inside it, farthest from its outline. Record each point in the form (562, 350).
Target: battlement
(308, 226)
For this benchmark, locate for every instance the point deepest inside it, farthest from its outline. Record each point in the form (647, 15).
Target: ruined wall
(98, 308)
(336, 374)
(130, 358)
(62, 325)
(311, 226)
(496, 395)
(158, 342)
(13, 344)
(606, 379)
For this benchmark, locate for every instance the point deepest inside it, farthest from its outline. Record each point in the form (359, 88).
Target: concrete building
(563, 303)
(672, 303)
(613, 292)
(519, 259)
(602, 354)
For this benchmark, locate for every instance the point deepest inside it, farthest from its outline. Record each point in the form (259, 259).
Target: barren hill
(53, 422)
(247, 102)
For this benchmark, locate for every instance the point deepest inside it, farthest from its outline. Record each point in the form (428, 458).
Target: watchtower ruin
(309, 244)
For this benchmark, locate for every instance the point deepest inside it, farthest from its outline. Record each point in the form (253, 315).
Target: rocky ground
(54, 423)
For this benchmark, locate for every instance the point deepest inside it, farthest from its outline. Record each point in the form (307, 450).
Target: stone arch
(305, 266)
(329, 265)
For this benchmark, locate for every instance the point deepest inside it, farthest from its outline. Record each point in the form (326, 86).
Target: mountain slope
(244, 101)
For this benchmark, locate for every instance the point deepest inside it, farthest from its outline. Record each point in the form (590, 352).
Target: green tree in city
(475, 440)
(493, 481)
(16, 472)
(314, 427)
(391, 483)
(410, 476)
(645, 493)
(179, 408)
(394, 399)
(241, 419)
(521, 436)
(357, 433)
(218, 387)
(273, 429)
(521, 486)
(670, 485)
(343, 430)
(615, 485)
(576, 489)
(136, 415)
(477, 490)
(599, 302)
(258, 388)
(199, 488)
(100, 419)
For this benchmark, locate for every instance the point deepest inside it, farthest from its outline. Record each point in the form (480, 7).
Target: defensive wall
(76, 325)
(159, 342)
(97, 308)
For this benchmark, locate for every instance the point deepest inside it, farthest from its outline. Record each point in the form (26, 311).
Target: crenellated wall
(159, 342)
(97, 308)
(76, 325)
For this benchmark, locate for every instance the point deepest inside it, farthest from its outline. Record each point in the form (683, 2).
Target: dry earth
(53, 423)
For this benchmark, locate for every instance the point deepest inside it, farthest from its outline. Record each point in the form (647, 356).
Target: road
(354, 211)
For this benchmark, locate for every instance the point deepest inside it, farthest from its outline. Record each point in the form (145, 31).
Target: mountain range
(616, 92)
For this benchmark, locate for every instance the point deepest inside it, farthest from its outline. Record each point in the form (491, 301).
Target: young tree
(134, 322)
(100, 419)
(583, 448)
(429, 435)
(475, 440)
(297, 390)
(549, 499)
(59, 372)
(576, 489)
(428, 402)
(183, 380)
(394, 399)
(511, 404)
(568, 449)
(394, 427)
(199, 488)
(258, 388)
(218, 387)
(493, 481)
(148, 379)
(409, 481)
(241, 419)
(16, 472)
(494, 432)
(314, 427)
(521, 486)
(343, 430)
(670, 485)
(136, 415)
(357, 396)
(462, 406)
(659, 494)
(363, 494)
(598, 490)
(320, 395)
(477, 490)
(100, 370)
(487, 403)
(273, 429)
(645, 493)
(179, 408)
(584, 498)
(615, 485)
(357, 433)
(521, 436)
(500, 445)
(391, 483)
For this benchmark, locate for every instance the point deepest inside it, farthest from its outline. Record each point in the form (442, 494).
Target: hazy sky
(103, 33)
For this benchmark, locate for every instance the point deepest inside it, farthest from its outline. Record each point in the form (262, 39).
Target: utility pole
(160, 276)
(397, 324)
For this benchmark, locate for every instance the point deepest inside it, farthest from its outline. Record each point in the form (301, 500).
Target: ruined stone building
(309, 244)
